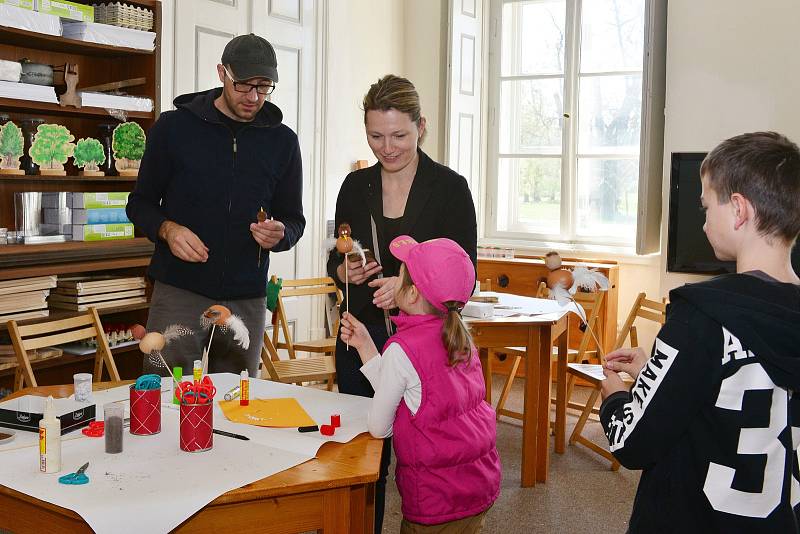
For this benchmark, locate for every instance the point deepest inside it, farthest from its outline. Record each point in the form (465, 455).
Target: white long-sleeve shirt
(393, 378)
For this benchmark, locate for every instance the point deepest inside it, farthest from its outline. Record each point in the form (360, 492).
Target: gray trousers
(171, 305)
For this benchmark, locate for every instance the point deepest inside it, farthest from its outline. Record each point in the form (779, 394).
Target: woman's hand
(356, 274)
(630, 361)
(384, 296)
(353, 332)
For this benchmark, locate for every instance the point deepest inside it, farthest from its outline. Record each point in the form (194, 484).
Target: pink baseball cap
(440, 268)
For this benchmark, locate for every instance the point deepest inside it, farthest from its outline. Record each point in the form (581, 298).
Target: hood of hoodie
(202, 105)
(765, 316)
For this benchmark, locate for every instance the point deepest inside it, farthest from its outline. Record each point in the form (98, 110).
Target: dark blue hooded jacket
(196, 173)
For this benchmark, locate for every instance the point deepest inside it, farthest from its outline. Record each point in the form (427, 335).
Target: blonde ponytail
(455, 334)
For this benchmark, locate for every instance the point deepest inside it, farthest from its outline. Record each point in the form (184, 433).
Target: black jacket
(439, 205)
(712, 420)
(197, 174)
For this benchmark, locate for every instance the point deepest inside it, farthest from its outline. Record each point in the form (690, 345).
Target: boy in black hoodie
(712, 419)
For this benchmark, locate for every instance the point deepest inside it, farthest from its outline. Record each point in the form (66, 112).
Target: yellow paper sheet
(280, 413)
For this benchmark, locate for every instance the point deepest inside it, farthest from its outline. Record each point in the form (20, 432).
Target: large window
(565, 120)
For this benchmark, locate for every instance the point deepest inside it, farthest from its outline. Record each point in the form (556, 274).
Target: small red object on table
(336, 420)
(327, 430)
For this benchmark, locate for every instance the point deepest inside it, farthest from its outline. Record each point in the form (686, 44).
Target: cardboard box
(24, 413)
(101, 232)
(66, 10)
(23, 4)
(98, 200)
(99, 216)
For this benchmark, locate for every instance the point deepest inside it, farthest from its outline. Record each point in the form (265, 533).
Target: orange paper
(280, 413)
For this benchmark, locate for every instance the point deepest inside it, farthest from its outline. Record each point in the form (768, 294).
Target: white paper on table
(126, 492)
(509, 305)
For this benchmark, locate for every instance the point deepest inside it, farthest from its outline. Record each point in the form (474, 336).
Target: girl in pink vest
(429, 392)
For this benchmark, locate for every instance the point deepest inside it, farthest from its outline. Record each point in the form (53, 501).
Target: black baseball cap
(251, 56)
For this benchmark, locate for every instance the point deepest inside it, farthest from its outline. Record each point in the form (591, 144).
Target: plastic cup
(83, 386)
(113, 414)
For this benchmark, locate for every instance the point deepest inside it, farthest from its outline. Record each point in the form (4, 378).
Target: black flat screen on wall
(688, 249)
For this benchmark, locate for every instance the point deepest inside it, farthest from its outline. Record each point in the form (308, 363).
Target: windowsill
(626, 255)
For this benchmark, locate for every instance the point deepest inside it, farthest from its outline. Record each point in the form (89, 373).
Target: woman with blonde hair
(404, 193)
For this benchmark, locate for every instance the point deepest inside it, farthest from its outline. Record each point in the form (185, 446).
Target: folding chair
(642, 308)
(34, 336)
(299, 370)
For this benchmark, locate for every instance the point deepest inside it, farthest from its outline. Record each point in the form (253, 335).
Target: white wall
(733, 66)
(364, 42)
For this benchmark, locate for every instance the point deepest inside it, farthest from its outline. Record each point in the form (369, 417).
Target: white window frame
(647, 237)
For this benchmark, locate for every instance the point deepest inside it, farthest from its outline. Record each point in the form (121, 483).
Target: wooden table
(334, 493)
(538, 335)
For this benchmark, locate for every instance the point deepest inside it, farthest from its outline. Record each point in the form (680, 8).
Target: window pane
(530, 118)
(612, 35)
(609, 114)
(607, 196)
(533, 38)
(530, 194)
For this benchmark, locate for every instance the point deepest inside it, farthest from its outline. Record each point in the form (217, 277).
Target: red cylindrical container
(197, 423)
(145, 411)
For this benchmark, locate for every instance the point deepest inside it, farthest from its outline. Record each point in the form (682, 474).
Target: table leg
(530, 421)
(561, 392)
(543, 360)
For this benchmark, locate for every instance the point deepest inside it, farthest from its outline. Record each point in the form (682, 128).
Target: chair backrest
(35, 336)
(591, 303)
(542, 291)
(646, 309)
(301, 287)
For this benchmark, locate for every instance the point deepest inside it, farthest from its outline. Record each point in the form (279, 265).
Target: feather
(175, 331)
(358, 248)
(240, 333)
(588, 279)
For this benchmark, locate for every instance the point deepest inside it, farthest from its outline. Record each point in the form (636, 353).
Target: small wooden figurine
(128, 142)
(51, 148)
(70, 97)
(88, 156)
(557, 277)
(11, 148)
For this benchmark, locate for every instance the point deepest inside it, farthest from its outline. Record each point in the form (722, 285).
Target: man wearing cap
(209, 168)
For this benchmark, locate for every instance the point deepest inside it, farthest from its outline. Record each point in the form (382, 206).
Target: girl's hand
(630, 361)
(357, 274)
(353, 332)
(384, 296)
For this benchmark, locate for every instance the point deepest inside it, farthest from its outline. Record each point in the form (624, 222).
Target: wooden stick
(208, 349)
(347, 288)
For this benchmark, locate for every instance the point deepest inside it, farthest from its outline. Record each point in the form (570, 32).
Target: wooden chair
(298, 370)
(591, 303)
(642, 308)
(34, 336)
(302, 288)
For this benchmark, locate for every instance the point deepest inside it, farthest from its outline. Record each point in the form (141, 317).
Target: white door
(202, 29)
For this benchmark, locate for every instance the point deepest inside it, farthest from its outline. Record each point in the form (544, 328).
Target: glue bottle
(197, 371)
(49, 440)
(244, 388)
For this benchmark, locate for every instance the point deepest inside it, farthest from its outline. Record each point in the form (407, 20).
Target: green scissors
(77, 478)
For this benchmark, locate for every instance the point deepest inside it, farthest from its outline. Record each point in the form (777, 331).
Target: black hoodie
(196, 173)
(711, 419)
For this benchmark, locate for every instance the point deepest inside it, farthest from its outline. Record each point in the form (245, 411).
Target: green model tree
(89, 154)
(52, 146)
(128, 145)
(10, 146)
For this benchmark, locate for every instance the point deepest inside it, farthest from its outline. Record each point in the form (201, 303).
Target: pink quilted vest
(447, 463)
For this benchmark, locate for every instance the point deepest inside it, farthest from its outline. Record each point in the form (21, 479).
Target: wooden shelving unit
(98, 64)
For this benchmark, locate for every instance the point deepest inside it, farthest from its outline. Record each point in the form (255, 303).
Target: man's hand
(355, 272)
(353, 332)
(384, 296)
(183, 243)
(268, 233)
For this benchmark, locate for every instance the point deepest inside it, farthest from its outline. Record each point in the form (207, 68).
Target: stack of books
(24, 298)
(83, 292)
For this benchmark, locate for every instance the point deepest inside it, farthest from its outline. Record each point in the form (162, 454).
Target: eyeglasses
(242, 87)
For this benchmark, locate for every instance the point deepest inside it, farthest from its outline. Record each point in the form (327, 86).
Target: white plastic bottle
(49, 440)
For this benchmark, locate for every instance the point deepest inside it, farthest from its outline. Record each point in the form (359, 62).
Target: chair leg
(507, 386)
(587, 410)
